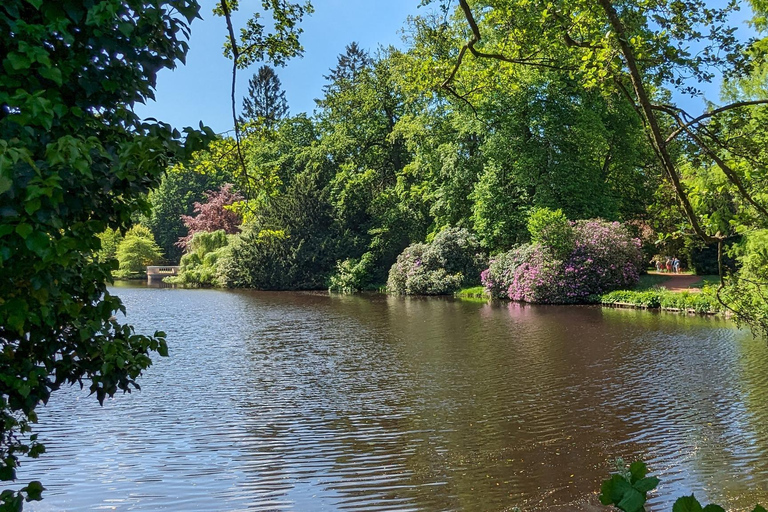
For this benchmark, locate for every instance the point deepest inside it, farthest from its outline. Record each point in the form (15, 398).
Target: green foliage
(451, 260)
(745, 290)
(551, 229)
(136, 251)
(201, 265)
(256, 43)
(265, 103)
(352, 275)
(292, 243)
(181, 187)
(685, 302)
(75, 160)
(110, 240)
(500, 209)
(628, 489)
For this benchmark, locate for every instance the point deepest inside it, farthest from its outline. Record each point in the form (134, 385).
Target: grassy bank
(649, 294)
(685, 302)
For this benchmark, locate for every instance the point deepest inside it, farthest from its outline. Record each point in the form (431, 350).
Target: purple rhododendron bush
(604, 257)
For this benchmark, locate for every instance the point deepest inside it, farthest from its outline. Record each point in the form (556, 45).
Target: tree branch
(235, 57)
(727, 170)
(707, 115)
(643, 98)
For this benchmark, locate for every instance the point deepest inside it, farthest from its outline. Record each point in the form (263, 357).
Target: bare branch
(235, 58)
(709, 114)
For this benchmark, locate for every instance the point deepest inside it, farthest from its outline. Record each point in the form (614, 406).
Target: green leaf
(38, 243)
(7, 473)
(5, 184)
(52, 74)
(35, 3)
(646, 484)
(687, 504)
(19, 61)
(713, 508)
(759, 508)
(632, 501)
(613, 490)
(34, 491)
(638, 470)
(24, 230)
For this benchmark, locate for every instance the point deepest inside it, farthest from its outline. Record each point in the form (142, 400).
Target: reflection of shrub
(604, 257)
(451, 261)
(352, 275)
(200, 266)
(136, 251)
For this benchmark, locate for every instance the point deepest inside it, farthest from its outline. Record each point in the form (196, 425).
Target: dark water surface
(298, 401)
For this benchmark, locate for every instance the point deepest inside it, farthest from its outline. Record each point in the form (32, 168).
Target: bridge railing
(161, 271)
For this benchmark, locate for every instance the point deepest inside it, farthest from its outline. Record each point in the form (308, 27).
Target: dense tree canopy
(74, 160)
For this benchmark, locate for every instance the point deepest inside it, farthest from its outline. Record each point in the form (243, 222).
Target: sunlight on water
(298, 401)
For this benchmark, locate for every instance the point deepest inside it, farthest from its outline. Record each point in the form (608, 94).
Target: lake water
(302, 401)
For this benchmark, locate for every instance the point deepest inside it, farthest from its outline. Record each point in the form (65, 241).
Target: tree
(265, 103)
(641, 51)
(75, 160)
(213, 215)
(181, 187)
(349, 66)
(136, 251)
(292, 242)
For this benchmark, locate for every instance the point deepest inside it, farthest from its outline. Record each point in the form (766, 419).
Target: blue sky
(200, 90)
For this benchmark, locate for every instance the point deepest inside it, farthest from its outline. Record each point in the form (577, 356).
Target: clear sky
(200, 90)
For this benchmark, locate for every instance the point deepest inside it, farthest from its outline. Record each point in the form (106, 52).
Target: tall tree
(265, 102)
(639, 50)
(349, 66)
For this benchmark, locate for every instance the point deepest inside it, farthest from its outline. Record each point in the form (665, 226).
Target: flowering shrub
(501, 270)
(604, 258)
(452, 260)
(213, 215)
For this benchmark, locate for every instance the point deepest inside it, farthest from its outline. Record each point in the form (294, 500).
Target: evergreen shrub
(452, 260)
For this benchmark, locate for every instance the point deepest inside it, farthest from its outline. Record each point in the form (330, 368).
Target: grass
(708, 280)
(475, 292)
(649, 281)
(662, 299)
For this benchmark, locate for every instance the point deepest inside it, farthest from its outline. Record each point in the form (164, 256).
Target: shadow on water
(304, 401)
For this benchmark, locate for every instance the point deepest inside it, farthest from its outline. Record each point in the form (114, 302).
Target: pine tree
(265, 102)
(350, 64)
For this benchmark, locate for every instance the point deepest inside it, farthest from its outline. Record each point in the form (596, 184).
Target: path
(679, 282)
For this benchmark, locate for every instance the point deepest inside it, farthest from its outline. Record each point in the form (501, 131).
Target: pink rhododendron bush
(604, 257)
